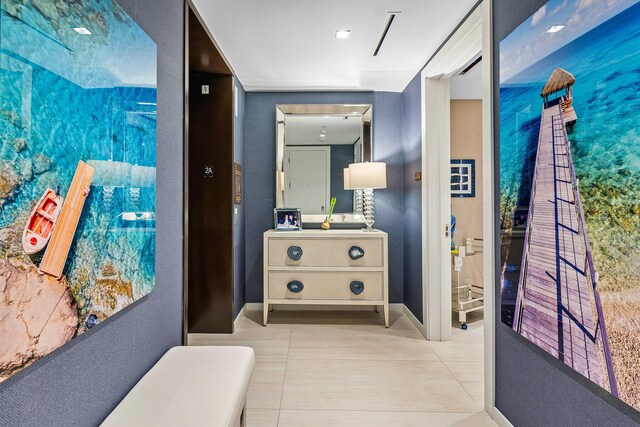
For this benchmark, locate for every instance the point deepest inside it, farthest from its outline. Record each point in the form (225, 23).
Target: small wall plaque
(237, 183)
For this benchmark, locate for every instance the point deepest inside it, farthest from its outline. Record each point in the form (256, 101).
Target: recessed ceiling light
(555, 28)
(342, 34)
(83, 30)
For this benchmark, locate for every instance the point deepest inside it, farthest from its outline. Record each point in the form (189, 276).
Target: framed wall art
(570, 188)
(77, 172)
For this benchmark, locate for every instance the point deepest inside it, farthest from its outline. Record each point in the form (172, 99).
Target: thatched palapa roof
(560, 79)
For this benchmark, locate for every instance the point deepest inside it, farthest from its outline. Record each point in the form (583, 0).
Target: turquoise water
(68, 97)
(605, 142)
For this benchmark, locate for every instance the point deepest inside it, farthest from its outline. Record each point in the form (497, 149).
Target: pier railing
(527, 241)
(589, 268)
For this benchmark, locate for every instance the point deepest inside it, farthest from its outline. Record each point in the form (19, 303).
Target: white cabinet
(330, 267)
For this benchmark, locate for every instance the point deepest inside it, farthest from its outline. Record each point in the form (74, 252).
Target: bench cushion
(189, 386)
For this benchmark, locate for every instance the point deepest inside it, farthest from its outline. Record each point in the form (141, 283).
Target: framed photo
(287, 219)
(463, 178)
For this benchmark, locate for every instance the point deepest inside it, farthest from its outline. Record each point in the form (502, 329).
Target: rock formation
(10, 180)
(37, 315)
(41, 163)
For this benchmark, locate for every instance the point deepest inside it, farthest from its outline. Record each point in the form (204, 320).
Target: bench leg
(243, 416)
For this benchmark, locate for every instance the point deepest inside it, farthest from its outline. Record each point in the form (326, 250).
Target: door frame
(287, 162)
(473, 36)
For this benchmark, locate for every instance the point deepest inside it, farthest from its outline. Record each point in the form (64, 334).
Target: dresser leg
(386, 315)
(265, 314)
(376, 308)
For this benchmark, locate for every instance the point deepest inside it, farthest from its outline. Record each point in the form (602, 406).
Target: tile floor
(346, 369)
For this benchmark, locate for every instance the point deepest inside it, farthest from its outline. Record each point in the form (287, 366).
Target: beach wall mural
(570, 187)
(77, 171)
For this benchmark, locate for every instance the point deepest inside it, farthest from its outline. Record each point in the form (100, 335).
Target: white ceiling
(291, 44)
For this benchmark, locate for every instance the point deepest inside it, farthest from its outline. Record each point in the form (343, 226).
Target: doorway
(209, 177)
(470, 41)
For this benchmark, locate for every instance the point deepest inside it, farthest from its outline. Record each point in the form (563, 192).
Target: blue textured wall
(238, 228)
(412, 160)
(260, 166)
(532, 387)
(341, 157)
(80, 383)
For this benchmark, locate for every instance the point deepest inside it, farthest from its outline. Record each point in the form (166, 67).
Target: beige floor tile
(458, 350)
(262, 417)
(466, 371)
(316, 366)
(353, 336)
(307, 418)
(476, 391)
(268, 371)
(274, 349)
(264, 396)
(418, 351)
(373, 385)
(265, 390)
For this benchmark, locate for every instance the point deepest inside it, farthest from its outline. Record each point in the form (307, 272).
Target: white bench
(190, 386)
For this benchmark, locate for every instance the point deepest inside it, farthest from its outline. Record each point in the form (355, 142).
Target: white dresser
(329, 267)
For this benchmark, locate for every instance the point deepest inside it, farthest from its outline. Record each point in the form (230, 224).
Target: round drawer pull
(294, 252)
(357, 287)
(356, 252)
(295, 286)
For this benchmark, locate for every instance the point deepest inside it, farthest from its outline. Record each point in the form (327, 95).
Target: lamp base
(368, 208)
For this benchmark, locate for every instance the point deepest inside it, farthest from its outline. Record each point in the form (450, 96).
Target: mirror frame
(314, 109)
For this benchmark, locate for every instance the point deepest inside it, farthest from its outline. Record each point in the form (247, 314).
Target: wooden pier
(57, 251)
(558, 305)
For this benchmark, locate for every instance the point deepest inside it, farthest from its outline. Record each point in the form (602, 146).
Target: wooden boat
(40, 225)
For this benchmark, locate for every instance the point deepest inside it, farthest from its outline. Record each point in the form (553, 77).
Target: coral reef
(37, 315)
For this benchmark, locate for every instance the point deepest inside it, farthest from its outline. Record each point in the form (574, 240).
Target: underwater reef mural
(570, 188)
(77, 171)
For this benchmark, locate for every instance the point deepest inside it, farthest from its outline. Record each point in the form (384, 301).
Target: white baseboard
(257, 306)
(500, 419)
(236, 322)
(410, 316)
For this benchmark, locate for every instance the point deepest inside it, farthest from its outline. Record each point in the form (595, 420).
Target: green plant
(332, 205)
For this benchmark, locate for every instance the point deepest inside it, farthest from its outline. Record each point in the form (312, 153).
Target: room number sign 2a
(208, 171)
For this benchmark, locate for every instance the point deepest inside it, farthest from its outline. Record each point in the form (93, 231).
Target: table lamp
(367, 177)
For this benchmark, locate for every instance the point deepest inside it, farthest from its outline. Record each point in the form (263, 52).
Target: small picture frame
(287, 219)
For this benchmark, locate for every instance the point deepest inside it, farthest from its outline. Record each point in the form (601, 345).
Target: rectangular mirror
(315, 143)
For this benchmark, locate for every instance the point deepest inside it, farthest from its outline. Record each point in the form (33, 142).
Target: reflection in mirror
(315, 143)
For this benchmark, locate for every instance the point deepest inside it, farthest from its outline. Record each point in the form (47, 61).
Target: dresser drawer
(321, 285)
(326, 252)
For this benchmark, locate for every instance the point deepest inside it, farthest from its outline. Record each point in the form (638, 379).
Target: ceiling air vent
(390, 17)
(471, 65)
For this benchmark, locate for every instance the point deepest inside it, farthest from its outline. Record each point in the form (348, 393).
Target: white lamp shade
(368, 175)
(345, 172)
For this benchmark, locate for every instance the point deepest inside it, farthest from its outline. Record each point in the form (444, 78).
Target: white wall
(468, 86)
